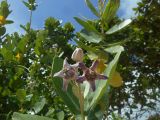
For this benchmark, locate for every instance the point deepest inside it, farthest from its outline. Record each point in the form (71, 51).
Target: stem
(81, 101)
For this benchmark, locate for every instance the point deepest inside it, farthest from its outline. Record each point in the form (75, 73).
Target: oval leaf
(118, 27)
(91, 36)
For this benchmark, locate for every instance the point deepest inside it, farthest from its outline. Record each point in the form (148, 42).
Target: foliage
(26, 67)
(139, 64)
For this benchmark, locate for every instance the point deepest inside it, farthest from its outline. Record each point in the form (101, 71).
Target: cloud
(126, 8)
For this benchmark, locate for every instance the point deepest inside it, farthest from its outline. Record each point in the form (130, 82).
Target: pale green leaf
(39, 105)
(87, 26)
(118, 27)
(115, 49)
(60, 115)
(19, 116)
(91, 36)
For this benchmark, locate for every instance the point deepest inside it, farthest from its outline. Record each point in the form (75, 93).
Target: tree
(139, 64)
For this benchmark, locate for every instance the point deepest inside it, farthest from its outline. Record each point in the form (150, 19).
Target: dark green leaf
(2, 31)
(9, 22)
(23, 27)
(26, 4)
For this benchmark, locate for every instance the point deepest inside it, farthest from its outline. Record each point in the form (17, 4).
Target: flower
(18, 56)
(90, 74)
(78, 55)
(117, 80)
(2, 20)
(68, 72)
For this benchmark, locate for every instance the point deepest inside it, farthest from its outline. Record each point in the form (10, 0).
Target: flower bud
(78, 55)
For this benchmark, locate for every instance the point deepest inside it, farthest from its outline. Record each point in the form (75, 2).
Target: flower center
(69, 73)
(90, 75)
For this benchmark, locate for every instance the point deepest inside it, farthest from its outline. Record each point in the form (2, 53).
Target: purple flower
(90, 74)
(68, 72)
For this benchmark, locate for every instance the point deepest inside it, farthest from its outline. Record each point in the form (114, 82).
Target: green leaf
(2, 31)
(115, 49)
(7, 54)
(22, 44)
(23, 27)
(39, 105)
(9, 22)
(91, 36)
(4, 9)
(68, 96)
(41, 35)
(102, 85)
(60, 115)
(92, 8)
(110, 10)
(29, 97)
(21, 94)
(118, 27)
(19, 116)
(26, 4)
(50, 112)
(86, 25)
(31, 1)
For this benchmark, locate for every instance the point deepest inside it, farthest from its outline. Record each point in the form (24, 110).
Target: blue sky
(63, 10)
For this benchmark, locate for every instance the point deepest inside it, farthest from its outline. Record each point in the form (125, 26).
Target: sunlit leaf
(87, 26)
(39, 105)
(7, 54)
(41, 36)
(118, 27)
(115, 49)
(91, 36)
(110, 10)
(4, 9)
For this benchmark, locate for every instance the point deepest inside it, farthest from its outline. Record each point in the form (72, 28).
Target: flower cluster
(70, 72)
